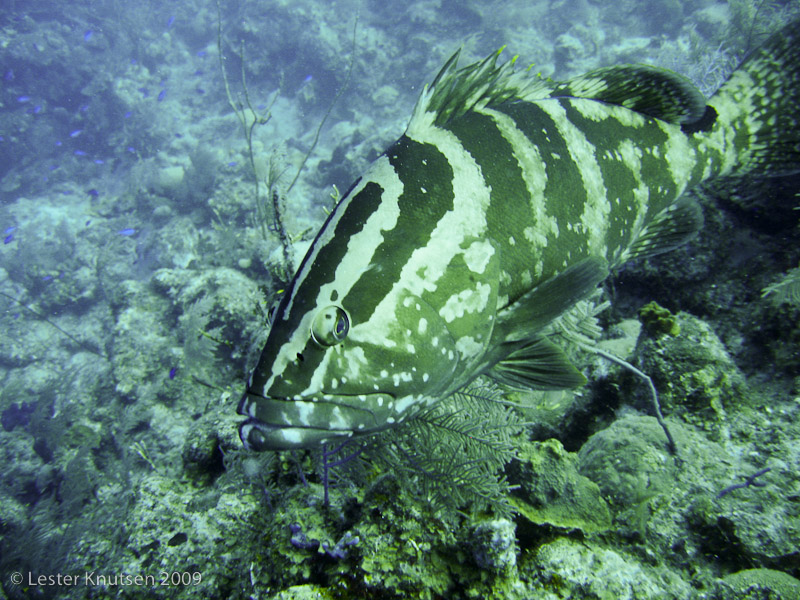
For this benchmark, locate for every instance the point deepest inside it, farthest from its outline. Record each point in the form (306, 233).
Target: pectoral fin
(533, 311)
(539, 364)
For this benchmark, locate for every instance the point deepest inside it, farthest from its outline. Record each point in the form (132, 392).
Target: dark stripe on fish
(418, 166)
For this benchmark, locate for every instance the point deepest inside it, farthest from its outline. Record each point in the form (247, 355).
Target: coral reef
(552, 494)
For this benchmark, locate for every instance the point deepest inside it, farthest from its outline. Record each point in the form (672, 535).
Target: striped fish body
(505, 202)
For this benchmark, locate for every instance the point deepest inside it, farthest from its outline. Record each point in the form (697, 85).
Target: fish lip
(276, 438)
(254, 405)
(282, 423)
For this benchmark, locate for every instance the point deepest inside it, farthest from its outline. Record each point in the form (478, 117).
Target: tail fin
(761, 102)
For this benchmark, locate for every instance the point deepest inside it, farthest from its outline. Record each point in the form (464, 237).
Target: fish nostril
(300, 357)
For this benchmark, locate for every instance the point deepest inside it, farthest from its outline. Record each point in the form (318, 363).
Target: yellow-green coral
(658, 321)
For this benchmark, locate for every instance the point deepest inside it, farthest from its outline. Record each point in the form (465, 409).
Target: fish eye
(330, 326)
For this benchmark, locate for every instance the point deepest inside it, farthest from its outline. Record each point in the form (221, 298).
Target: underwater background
(151, 156)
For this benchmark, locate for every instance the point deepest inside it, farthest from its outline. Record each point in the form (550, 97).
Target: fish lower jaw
(259, 436)
(275, 423)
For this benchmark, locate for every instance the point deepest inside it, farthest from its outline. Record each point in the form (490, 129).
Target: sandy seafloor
(131, 225)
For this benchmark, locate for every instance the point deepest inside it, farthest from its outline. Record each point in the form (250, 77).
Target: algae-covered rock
(170, 178)
(52, 256)
(673, 504)
(753, 524)
(216, 308)
(553, 493)
(754, 583)
(636, 474)
(629, 461)
(168, 525)
(694, 374)
(142, 352)
(303, 592)
(211, 445)
(579, 569)
(494, 546)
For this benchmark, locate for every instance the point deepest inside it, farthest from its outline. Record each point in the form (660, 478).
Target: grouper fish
(506, 201)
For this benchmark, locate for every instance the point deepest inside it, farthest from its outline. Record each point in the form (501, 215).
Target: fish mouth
(286, 423)
(259, 436)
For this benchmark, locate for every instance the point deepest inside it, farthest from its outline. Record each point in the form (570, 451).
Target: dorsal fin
(455, 91)
(653, 91)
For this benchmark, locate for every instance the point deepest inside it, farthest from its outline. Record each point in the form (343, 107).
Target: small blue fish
(128, 231)
(47, 278)
(23, 98)
(172, 372)
(9, 76)
(75, 133)
(79, 153)
(9, 238)
(307, 79)
(131, 149)
(37, 109)
(128, 114)
(161, 95)
(10, 229)
(93, 192)
(202, 53)
(87, 36)
(170, 21)
(99, 161)
(233, 163)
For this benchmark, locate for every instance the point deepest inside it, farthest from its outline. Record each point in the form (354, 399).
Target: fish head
(352, 349)
(338, 370)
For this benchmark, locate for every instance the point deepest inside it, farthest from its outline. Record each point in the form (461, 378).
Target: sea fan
(455, 450)
(199, 347)
(786, 290)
